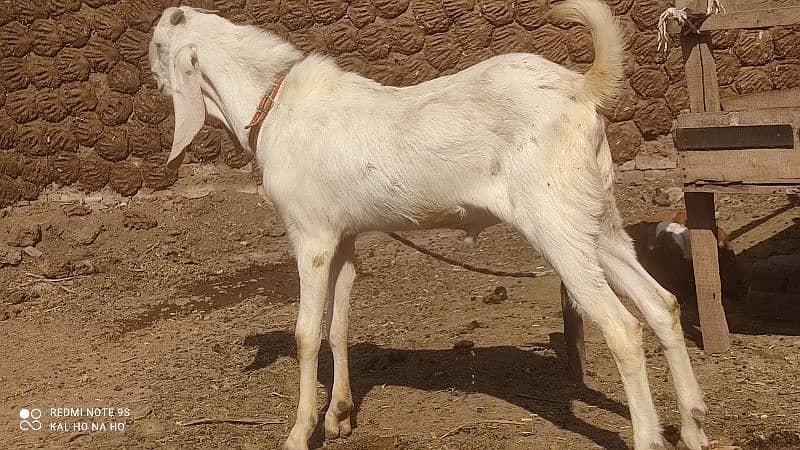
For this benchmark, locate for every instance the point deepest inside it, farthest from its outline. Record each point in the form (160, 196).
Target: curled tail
(603, 80)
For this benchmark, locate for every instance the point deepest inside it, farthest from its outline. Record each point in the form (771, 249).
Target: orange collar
(261, 113)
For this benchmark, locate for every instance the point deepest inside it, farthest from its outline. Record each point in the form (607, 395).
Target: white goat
(516, 139)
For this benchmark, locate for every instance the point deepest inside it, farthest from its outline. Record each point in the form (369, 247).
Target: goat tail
(603, 80)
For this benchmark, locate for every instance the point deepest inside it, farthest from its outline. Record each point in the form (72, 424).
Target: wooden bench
(746, 144)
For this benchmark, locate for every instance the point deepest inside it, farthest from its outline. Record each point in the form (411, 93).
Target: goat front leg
(343, 272)
(314, 256)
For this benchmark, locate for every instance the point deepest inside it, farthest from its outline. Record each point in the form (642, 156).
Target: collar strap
(261, 113)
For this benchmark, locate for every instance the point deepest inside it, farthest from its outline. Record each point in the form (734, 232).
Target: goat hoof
(342, 429)
(336, 428)
(298, 438)
(294, 445)
(663, 445)
(699, 413)
(682, 446)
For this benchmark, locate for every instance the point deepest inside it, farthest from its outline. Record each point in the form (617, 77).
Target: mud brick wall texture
(78, 104)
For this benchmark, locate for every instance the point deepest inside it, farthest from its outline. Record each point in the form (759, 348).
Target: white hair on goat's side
(514, 139)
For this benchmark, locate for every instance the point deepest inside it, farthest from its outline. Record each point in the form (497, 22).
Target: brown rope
(463, 265)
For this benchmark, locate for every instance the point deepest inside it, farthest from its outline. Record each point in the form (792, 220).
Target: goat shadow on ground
(525, 378)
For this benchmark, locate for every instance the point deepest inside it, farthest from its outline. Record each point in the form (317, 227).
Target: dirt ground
(180, 305)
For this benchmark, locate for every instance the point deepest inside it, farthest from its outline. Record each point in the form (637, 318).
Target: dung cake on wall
(78, 104)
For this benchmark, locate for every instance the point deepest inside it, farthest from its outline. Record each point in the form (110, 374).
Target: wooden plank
(573, 334)
(702, 228)
(701, 73)
(692, 62)
(744, 5)
(738, 15)
(767, 116)
(787, 98)
(766, 181)
(710, 84)
(735, 137)
(752, 18)
(696, 5)
(734, 166)
(732, 6)
(745, 189)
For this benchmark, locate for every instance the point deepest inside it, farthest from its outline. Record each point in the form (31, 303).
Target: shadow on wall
(79, 104)
(529, 380)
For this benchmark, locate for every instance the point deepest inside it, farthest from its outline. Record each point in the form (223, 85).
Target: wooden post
(573, 334)
(701, 73)
(702, 230)
(701, 82)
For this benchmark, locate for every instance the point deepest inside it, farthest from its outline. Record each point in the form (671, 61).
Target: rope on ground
(234, 420)
(463, 265)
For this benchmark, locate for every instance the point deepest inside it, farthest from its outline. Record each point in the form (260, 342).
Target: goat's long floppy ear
(190, 111)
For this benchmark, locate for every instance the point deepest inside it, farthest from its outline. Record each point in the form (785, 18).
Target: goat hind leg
(623, 335)
(574, 256)
(337, 418)
(661, 310)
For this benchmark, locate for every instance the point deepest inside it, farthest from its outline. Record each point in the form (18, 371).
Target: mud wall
(78, 104)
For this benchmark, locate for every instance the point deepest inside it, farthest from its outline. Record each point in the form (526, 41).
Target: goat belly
(471, 220)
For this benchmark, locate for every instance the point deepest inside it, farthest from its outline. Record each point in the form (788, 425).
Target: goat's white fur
(515, 139)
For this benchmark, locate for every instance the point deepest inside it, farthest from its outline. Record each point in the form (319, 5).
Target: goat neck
(234, 83)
